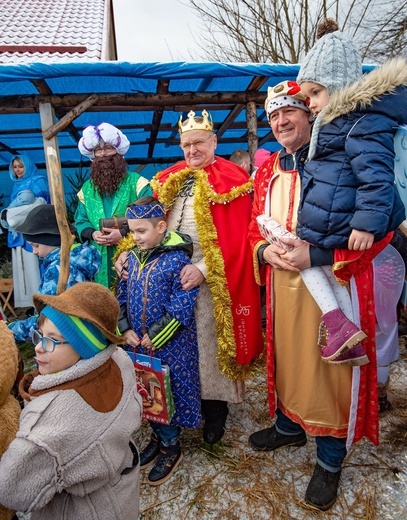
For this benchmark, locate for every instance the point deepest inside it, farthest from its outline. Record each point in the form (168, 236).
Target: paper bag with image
(153, 384)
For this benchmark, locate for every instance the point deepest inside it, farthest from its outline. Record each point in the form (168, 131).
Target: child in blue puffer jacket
(348, 196)
(40, 230)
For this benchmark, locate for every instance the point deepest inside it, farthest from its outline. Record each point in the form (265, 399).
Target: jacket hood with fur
(374, 86)
(348, 179)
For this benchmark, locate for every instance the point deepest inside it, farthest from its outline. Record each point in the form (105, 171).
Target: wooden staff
(58, 198)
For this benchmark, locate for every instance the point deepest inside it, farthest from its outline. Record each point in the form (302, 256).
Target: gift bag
(272, 231)
(153, 384)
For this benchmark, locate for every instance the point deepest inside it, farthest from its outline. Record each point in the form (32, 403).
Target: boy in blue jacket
(157, 315)
(40, 230)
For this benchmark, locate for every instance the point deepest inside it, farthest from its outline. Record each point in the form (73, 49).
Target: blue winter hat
(83, 336)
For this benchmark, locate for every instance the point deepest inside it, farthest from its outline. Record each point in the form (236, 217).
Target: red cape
(359, 264)
(231, 219)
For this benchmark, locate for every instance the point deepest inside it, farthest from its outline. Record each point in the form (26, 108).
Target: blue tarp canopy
(144, 100)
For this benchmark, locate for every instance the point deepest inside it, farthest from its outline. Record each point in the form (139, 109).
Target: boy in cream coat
(73, 457)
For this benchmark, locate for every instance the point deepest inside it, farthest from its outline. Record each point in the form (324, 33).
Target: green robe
(92, 207)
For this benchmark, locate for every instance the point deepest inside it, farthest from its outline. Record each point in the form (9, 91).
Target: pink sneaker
(341, 334)
(355, 356)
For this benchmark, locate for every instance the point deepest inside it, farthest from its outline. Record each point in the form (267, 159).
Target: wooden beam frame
(68, 107)
(52, 131)
(162, 88)
(252, 139)
(5, 148)
(116, 100)
(45, 90)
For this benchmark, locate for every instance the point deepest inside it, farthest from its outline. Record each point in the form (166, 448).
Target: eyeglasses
(47, 344)
(198, 144)
(105, 151)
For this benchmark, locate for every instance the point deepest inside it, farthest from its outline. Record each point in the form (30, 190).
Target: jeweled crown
(196, 122)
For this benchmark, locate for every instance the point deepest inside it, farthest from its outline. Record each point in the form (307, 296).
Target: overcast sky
(154, 30)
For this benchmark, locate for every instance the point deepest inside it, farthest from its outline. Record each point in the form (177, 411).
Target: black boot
(270, 439)
(215, 413)
(150, 452)
(167, 460)
(322, 489)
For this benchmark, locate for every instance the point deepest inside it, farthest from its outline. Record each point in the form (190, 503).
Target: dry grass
(232, 481)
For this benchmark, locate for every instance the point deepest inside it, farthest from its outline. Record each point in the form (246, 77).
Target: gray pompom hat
(333, 62)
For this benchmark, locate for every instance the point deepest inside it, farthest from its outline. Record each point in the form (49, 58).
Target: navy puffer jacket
(348, 183)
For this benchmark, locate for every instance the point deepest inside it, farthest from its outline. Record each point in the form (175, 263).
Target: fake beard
(107, 173)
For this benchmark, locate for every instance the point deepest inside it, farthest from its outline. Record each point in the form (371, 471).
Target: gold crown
(196, 122)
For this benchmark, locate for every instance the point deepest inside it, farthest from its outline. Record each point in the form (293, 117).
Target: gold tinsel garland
(125, 245)
(168, 191)
(208, 236)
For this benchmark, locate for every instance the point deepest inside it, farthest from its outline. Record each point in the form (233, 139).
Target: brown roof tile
(51, 30)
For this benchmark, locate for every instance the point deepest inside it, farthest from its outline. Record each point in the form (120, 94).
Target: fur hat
(105, 133)
(284, 94)
(40, 226)
(88, 301)
(333, 61)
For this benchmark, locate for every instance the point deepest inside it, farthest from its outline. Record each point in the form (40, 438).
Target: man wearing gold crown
(209, 198)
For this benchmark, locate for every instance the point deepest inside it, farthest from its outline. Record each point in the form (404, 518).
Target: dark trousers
(331, 451)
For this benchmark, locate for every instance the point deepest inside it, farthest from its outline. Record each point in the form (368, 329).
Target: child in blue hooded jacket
(349, 199)
(40, 230)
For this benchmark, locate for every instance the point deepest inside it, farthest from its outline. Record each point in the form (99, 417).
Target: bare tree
(282, 31)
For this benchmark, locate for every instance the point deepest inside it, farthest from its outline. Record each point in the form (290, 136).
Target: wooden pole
(57, 195)
(252, 139)
(60, 211)
(69, 117)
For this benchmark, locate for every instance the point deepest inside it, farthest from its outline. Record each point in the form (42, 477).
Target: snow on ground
(232, 481)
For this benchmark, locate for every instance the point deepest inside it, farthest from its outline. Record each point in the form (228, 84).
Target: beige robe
(312, 392)
(214, 385)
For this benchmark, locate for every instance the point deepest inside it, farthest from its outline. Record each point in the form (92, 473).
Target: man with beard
(110, 189)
